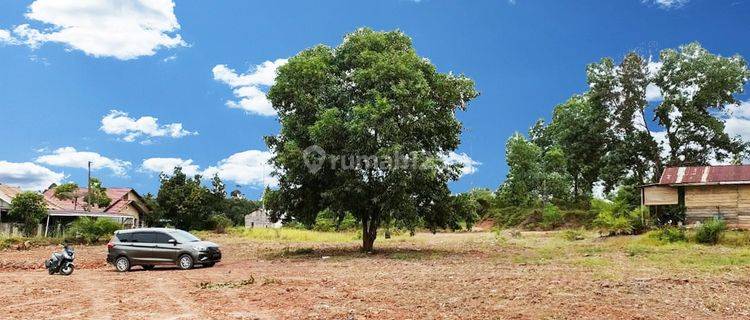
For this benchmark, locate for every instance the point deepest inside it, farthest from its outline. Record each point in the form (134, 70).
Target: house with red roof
(705, 192)
(7, 193)
(126, 206)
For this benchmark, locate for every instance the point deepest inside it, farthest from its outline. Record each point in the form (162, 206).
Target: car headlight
(200, 248)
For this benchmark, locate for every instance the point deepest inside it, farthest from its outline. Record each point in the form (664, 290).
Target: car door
(165, 251)
(143, 247)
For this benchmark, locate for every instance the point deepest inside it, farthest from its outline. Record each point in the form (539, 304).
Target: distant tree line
(186, 203)
(613, 138)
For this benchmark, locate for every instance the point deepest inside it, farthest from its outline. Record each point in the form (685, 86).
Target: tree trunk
(369, 233)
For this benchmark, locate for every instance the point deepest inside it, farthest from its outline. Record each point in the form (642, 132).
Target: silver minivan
(149, 247)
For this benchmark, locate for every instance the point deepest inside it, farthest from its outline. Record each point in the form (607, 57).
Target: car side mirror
(172, 241)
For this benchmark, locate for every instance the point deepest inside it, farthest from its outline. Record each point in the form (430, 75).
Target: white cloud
(469, 165)
(167, 165)
(27, 175)
(7, 38)
(245, 168)
(119, 123)
(124, 29)
(247, 87)
(72, 158)
(668, 4)
(661, 139)
(653, 92)
(737, 121)
(740, 110)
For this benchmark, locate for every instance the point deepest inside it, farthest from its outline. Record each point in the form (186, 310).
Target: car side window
(143, 237)
(162, 237)
(123, 237)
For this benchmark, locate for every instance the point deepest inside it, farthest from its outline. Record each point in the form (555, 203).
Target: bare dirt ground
(443, 276)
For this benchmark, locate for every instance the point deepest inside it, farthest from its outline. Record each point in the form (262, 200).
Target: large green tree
(696, 86)
(534, 173)
(582, 134)
(372, 96)
(97, 195)
(637, 117)
(184, 202)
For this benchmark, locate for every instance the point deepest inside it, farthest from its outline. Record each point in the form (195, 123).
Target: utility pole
(88, 191)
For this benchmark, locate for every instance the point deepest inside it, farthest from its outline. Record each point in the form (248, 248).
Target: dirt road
(431, 277)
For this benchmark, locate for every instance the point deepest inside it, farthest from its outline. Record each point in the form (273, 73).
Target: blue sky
(65, 69)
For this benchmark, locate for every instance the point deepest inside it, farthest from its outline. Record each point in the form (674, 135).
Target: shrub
(511, 216)
(615, 218)
(710, 231)
(551, 217)
(348, 222)
(573, 235)
(671, 234)
(613, 225)
(220, 223)
(324, 225)
(92, 230)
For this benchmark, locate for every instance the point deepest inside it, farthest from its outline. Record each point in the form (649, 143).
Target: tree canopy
(371, 97)
(28, 208)
(184, 202)
(637, 117)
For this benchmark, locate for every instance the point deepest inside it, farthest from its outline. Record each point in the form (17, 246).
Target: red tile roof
(729, 174)
(118, 196)
(7, 193)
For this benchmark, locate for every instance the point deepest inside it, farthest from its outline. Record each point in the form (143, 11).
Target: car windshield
(182, 236)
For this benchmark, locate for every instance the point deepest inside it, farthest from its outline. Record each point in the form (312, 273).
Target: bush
(220, 223)
(573, 235)
(671, 234)
(349, 222)
(616, 218)
(613, 225)
(511, 216)
(324, 225)
(711, 231)
(551, 217)
(92, 230)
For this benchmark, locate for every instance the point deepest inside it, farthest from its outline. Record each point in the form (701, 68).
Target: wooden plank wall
(659, 195)
(730, 201)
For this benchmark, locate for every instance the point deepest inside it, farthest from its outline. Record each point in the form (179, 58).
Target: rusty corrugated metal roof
(729, 174)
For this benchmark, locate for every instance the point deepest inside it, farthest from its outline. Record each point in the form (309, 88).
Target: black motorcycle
(61, 262)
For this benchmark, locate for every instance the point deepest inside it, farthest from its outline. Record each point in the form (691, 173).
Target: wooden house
(705, 192)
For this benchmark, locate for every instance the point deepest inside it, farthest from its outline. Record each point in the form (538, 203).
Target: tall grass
(295, 235)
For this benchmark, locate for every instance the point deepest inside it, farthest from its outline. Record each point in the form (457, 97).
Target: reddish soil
(444, 276)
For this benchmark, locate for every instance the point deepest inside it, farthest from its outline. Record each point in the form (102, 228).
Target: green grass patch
(294, 235)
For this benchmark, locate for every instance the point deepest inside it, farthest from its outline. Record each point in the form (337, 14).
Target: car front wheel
(122, 264)
(185, 262)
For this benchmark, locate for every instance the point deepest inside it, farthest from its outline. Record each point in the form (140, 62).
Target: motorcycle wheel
(50, 271)
(66, 270)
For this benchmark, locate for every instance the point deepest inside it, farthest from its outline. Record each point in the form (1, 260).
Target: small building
(7, 193)
(126, 206)
(259, 219)
(705, 192)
